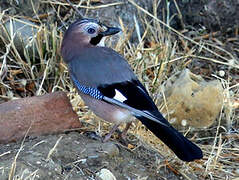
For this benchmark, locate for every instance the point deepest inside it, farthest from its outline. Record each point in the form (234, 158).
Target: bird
(109, 87)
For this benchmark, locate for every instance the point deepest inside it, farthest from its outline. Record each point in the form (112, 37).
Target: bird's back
(99, 65)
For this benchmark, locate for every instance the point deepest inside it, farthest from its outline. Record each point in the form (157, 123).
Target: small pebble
(105, 174)
(184, 122)
(221, 73)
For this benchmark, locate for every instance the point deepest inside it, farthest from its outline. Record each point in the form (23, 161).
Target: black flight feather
(133, 91)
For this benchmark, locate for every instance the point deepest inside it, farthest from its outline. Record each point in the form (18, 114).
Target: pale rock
(193, 101)
(105, 174)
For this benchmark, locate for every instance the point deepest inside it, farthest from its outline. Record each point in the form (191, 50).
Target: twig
(75, 8)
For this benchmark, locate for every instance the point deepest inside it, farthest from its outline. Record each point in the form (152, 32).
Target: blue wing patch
(93, 92)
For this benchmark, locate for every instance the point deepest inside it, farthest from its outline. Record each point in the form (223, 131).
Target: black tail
(181, 146)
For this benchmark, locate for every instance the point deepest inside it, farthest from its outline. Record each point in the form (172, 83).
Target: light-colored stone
(37, 115)
(105, 174)
(193, 101)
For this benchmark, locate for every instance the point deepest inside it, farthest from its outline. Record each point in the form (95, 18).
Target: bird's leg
(114, 128)
(124, 132)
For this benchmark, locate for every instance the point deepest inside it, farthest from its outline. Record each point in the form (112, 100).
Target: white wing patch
(119, 96)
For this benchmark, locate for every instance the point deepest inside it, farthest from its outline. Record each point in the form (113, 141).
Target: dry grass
(24, 75)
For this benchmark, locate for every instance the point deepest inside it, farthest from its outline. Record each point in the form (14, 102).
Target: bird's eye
(91, 31)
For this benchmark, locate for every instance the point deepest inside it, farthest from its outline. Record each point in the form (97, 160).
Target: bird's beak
(109, 31)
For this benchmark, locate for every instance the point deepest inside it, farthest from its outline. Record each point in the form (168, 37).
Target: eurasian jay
(111, 90)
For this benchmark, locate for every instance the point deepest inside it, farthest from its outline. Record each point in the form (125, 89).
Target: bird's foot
(108, 136)
(122, 137)
(123, 134)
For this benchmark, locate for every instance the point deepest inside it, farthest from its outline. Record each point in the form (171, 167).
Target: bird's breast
(106, 111)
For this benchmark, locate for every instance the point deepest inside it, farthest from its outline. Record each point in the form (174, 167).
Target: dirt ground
(78, 157)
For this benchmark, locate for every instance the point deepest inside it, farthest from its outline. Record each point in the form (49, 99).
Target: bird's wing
(129, 92)
(133, 96)
(109, 73)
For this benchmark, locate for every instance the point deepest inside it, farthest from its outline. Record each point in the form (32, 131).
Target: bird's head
(88, 32)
